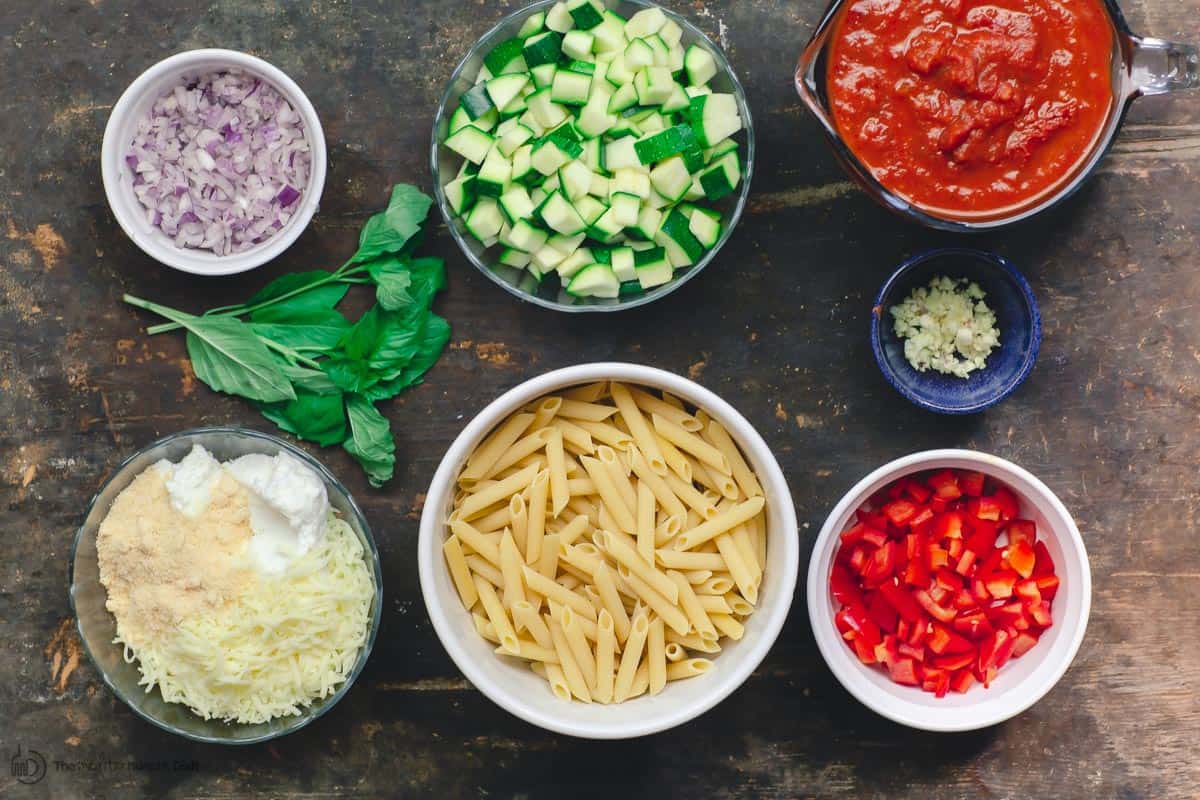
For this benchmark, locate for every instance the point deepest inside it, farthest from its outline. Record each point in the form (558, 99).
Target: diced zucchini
(661, 51)
(609, 35)
(600, 186)
(593, 154)
(559, 19)
(485, 220)
(587, 14)
(575, 179)
(494, 174)
(605, 227)
(624, 97)
(671, 178)
(566, 244)
(594, 280)
(470, 143)
(621, 153)
(696, 91)
(546, 259)
(653, 85)
(639, 55)
(578, 44)
(648, 223)
(722, 177)
(631, 181)
(506, 58)
(548, 113)
(511, 140)
(543, 49)
(574, 262)
(621, 259)
(534, 23)
(460, 194)
(626, 208)
(652, 267)
(700, 65)
(475, 101)
(515, 258)
(719, 149)
(505, 89)
(618, 73)
(675, 235)
(561, 216)
(570, 88)
(525, 236)
(715, 117)
(459, 119)
(705, 225)
(595, 119)
(516, 205)
(677, 140)
(678, 101)
(522, 164)
(671, 33)
(543, 76)
(590, 209)
(645, 22)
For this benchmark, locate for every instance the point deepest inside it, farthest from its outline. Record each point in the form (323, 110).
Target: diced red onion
(220, 162)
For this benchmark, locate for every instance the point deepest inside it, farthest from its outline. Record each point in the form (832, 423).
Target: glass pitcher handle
(1159, 66)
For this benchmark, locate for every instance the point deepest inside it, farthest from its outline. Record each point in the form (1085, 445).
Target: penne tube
(551, 590)
(606, 588)
(759, 535)
(674, 651)
(667, 531)
(573, 530)
(578, 557)
(484, 628)
(575, 436)
(477, 541)
(638, 429)
(672, 400)
(518, 515)
(510, 571)
(548, 561)
(520, 450)
(738, 570)
(580, 649)
(479, 501)
(605, 648)
(632, 656)
(645, 522)
(691, 443)
(589, 393)
(694, 642)
(589, 412)
(728, 625)
(460, 573)
(721, 523)
(487, 454)
(689, 559)
(742, 473)
(584, 506)
(689, 668)
(610, 496)
(483, 569)
(697, 576)
(641, 681)
(537, 517)
(738, 605)
(580, 486)
(720, 483)
(616, 473)
(606, 433)
(666, 498)
(718, 584)
(496, 615)
(495, 521)
(572, 578)
(571, 672)
(526, 618)
(557, 680)
(556, 461)
(656, 656)
(677, 462)
(650, 404)
(704, 508)
(717, 604)
(665, 609)
(531, 651)
(690, 603)
(589, 626)
(627, 555)
(544, 411)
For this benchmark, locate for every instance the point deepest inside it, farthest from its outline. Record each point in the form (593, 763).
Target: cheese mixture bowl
(512, 685)
(97, 626)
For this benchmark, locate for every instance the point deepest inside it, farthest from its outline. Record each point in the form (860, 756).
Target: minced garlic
(947, 327)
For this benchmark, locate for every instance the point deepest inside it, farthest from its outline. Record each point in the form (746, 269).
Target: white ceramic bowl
(135, 103)
(1023, 681)
(511, 684)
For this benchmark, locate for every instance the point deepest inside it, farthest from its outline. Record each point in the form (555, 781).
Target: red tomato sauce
(969, 108)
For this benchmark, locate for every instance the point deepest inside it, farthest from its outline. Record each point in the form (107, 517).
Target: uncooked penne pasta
(609, 536)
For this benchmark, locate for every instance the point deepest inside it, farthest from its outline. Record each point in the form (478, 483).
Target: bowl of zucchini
(591, 155)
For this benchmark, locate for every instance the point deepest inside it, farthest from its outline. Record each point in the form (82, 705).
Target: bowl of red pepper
(949, 590)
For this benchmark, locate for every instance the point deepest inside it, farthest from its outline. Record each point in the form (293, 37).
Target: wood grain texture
(1108, 419)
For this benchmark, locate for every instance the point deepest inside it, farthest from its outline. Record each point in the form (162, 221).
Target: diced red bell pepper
(902, 627)
(979, 591)
(882, 613)
(843, 587)
(943, 641)
(881, 564)
(983, 536)
(971, 483)
(1025, 642)
(945, 485)
(874, 537)
(954, 661)
(937, 557)
(853, 534)
(941, 595)
(938, 504)
(1021, 557)
(995, 650)
(1047, 585)
(948, 579)
(1045, 564)
(974, 625)
(916, 573)
(990, 564)
(854, 619)
(904, 671)
(864, 651)
(955, 548)
(1007, 502)
(985, 508)
(962, 681)
(904, 603)
(887, 651)
(1040, 613)
(900, 512)
(917, 491)
(917, 634)
(871, 519)
(963, 601)
(1029, 592)
(966, 562)
(1000, 584)
(948, 525)
(1021, 529)
(942, 685)
(921, 520)
(858, 558)
(934, 610)
(912, 651)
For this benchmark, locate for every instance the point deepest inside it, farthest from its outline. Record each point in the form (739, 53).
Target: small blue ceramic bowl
(1017, 317)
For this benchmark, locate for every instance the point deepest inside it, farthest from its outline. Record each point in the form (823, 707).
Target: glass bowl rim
(512, 21)
(330, 480)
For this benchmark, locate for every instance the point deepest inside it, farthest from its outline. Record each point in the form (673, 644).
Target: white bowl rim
(199, 262)
(817, 587)
(787, 566)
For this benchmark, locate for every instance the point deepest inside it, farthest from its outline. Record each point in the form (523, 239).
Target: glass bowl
(97, 627)
(445, 164)
(1141, 66)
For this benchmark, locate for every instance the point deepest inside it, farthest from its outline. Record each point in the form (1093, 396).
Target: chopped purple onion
(217, 161)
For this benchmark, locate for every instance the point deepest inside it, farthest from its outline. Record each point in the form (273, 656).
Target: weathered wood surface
(777, 326)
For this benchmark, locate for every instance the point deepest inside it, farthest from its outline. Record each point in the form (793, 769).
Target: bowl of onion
(213, 161)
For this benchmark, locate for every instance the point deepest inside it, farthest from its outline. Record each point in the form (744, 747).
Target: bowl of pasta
(608, 550)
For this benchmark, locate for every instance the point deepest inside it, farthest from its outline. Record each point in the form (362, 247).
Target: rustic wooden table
(777, 326)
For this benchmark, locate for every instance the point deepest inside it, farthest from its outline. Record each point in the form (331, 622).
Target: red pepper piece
(871, 519)
(858, 559)
(994, 650)
(887, 651)
(1029, 592)
(874, 537)
(864, 651)
(1000, 585)
(916, 652)
(1025, 642)
(979, 591)
(1021, 529)
(854, 619)
(917, 492)
(983, 536)
(964, 601)
(955, 548)
(899, 512)
(974, 625)
(1041, 614)
(985, 508)
(949, 580)
(945, 485)
(937, 557)
(1007, 502)
(1047, 585)
(1045, 564)
(1021, 557)
(971, 483)
(843, 586)
(956, 661)
(881, 564)
(948, 525)
(902, 627)
(990, 564)
(966, 562)
(962, 681)
(944, 641)
(938, 504)
(921, 520)
(916, 573)
(918, 634)
(934, 610)
(882, 613)
(904, 671)
(908, 608)
(943, 685)
(854, 534)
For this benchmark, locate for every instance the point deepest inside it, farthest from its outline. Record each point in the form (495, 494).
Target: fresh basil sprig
(313, 372)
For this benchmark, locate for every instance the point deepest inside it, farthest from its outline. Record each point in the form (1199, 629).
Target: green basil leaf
(324, 336)
(433, 341)
(399, 339)
(428, 278)
(227, 356)
(370, 440)
(390, 230)
(311, 380)
(319, 418)
(391, 283)
(351, 374)
(322, 298)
